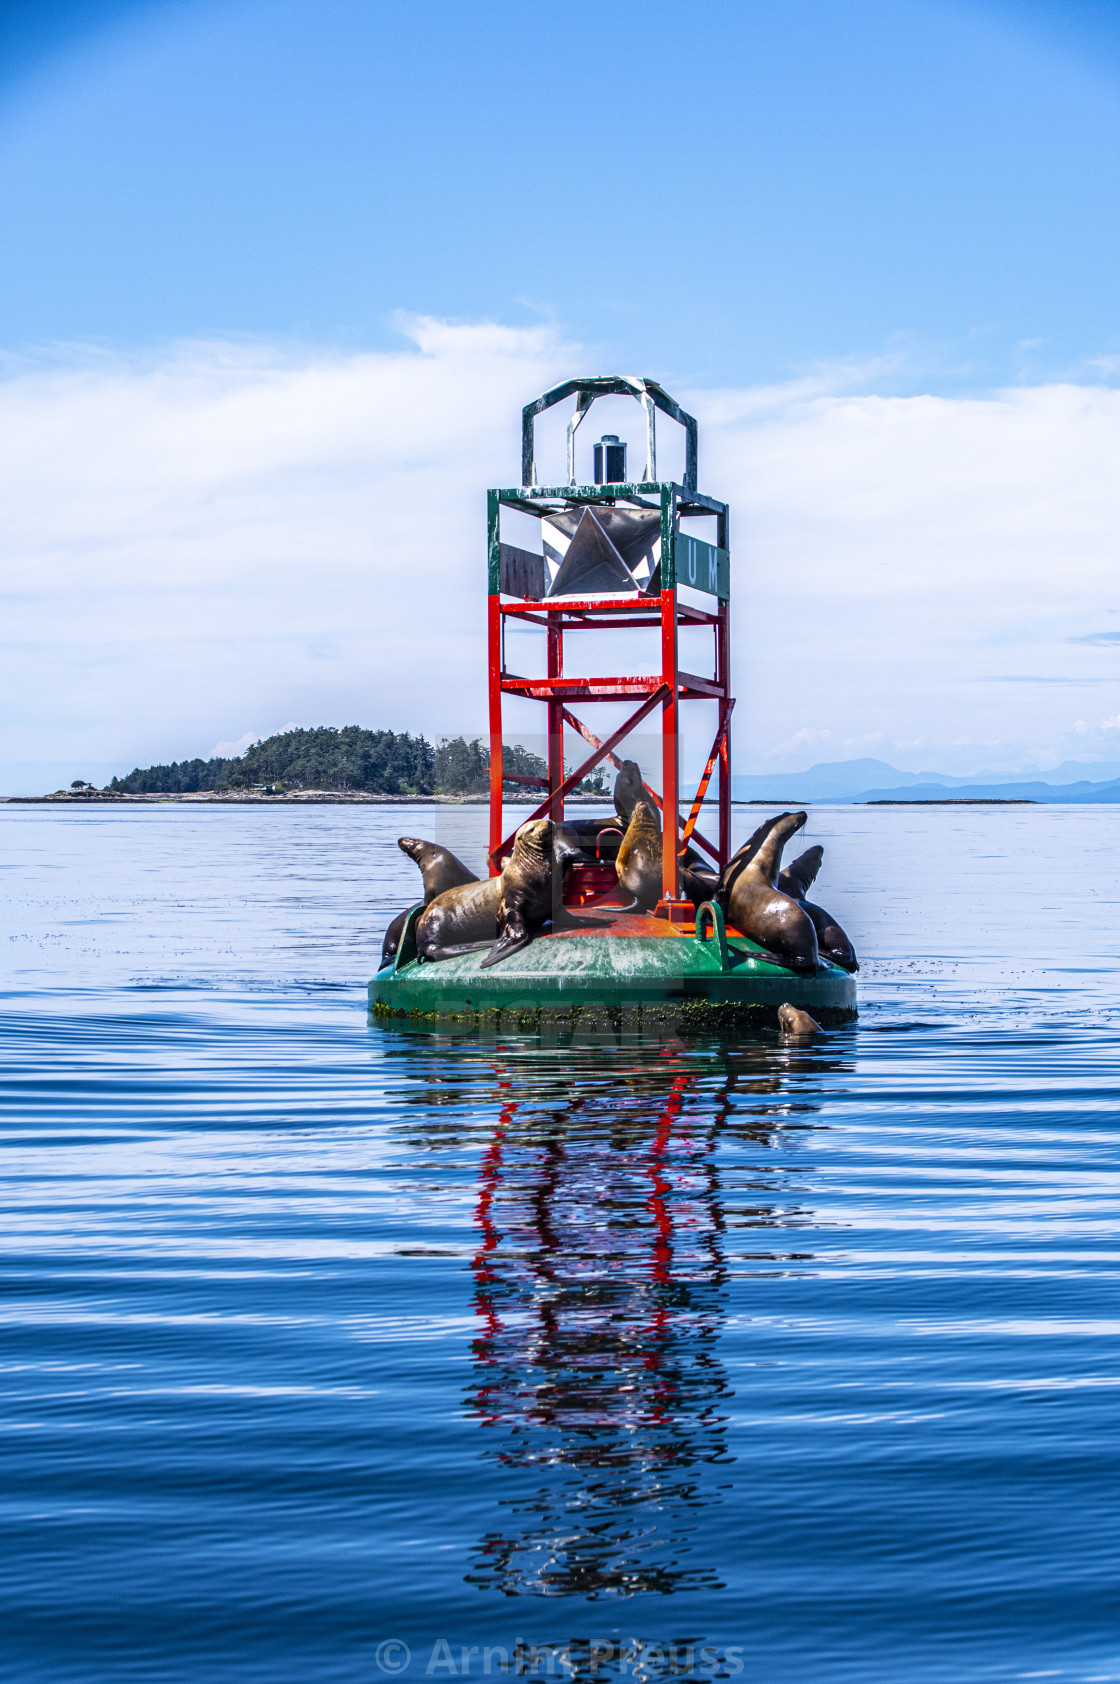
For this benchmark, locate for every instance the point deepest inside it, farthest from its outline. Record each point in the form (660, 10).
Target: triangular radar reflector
(635, 534)
(592, 564)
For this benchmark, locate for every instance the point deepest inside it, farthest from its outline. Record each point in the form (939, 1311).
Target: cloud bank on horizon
(202, 545)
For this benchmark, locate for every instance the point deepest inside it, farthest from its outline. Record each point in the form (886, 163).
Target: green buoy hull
(633, 979)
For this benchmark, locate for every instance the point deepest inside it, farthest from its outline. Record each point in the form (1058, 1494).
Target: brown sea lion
(511, 908)
(629, 788)
(793, 1021)
(832, 941)
(751, 901)
(440, 870)
(639, 858)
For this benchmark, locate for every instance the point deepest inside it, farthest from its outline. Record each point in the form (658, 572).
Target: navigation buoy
(615, 556)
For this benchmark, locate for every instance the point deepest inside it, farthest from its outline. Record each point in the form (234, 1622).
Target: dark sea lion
(393, 937)
(751, 901)
(793, 1021)
(440, 870)
(796, 881)
(629, 788)
(598, 838)
(502, 913)
(639, 858)
(698, 880)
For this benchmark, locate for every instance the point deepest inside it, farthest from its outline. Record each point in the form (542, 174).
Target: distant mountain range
(875, 780)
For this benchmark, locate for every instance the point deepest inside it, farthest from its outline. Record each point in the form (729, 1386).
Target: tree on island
(350, 759)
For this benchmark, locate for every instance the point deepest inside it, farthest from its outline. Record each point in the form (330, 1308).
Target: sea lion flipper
(513, 938)
(452, 950)
(565, 920)
(833, 941)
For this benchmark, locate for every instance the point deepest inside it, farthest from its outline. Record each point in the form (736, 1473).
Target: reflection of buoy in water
(600, 1286)
(615, 556)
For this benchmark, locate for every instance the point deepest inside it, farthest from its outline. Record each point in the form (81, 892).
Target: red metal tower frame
(519, 591)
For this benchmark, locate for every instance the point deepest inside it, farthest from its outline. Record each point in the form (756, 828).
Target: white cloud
(894, 555)
(231, 533)
(228, 750)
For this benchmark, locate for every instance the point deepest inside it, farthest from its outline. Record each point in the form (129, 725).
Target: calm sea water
(331, 1352)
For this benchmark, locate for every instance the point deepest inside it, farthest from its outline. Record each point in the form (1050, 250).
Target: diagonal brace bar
(702, 787)
(589, 736)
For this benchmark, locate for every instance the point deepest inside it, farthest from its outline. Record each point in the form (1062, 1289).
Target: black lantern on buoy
(610, 460)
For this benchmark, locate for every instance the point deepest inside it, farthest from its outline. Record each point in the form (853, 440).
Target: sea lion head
(793, 1021)
(438, 866)
(542, 840)
(629, 788)
(644, 821)
(761, 853)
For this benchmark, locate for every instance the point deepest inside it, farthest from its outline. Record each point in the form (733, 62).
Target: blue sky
(774, 203)
(741, 189)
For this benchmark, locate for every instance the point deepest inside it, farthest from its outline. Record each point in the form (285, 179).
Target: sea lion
(698, 880)
(793, 1021)
(796, 881)
(440, 870)
(393, 937)
(599, 839)
(639, 858)
(629, 788)
(751, 901)
(438, 866)
(511, 908)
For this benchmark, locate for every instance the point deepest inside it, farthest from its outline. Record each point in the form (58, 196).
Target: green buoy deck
(633, 969)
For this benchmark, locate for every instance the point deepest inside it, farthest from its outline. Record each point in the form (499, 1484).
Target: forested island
(349, 759)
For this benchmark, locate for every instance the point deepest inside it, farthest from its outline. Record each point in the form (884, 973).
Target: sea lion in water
(511, 908)
(639, 858)
(796, 881)
(793, 1021)
(440, 870)
(629, 789)
(751, 901)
